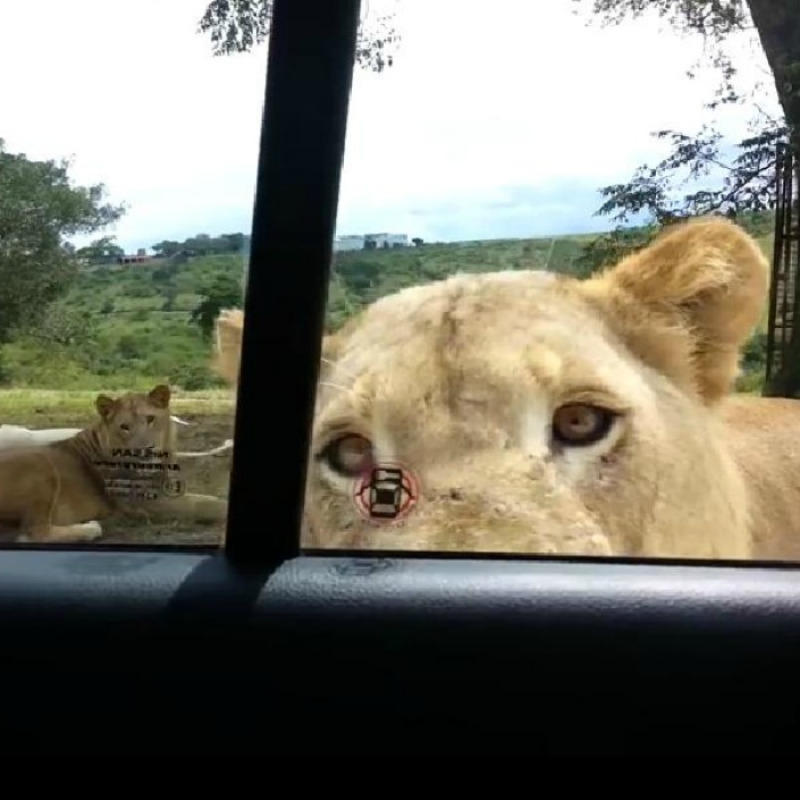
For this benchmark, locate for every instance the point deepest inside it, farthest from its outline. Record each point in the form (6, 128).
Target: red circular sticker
(386, 493)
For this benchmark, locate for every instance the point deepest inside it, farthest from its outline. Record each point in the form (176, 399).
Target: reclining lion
(543, 414)
(57, 492)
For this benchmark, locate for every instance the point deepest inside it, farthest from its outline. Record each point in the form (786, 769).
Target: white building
(370, 241)
(385, 240)
(341, 243)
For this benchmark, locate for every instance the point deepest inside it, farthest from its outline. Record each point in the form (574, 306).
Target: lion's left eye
(349, 455)
(579, 424)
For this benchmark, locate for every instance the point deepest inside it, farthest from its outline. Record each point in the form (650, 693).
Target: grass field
(53, 404)
(211, 416)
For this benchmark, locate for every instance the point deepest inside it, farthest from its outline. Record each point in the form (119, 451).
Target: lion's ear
(333, 344)
(227, 355)
(160, 395)
(331, 349)
(104, 405)
(689, 301)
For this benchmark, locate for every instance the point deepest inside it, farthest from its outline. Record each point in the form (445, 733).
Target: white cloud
(482, 97)
(132, 91)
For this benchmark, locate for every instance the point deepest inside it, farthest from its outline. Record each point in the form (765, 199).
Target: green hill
(359, 277)
(123, 327)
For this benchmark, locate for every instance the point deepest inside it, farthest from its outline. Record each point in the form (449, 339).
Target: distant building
(141, 257)
(370, 241)
(383, 240)
(344, 243)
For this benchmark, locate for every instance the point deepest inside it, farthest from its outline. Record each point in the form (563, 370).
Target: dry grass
(24, 406)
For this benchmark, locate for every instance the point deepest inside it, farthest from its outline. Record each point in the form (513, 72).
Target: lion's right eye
(580, 424)
(349, 455)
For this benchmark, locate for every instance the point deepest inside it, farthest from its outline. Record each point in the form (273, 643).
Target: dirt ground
(207, 475)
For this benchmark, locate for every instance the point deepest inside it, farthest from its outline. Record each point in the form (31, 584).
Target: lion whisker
(344, 372)
(336, 386)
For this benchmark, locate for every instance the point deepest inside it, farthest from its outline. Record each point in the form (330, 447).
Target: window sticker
(386, 493)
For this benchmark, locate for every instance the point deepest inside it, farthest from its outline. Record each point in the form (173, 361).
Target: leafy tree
(236, 26)
(203, 244)
(193, 377)
(223, 291)
(64, 324)
(130, 347)
(40, 209)
(170, 296)
(233, 242)
(167, 248)
(163, 275)
(101, 251)
(733, 186)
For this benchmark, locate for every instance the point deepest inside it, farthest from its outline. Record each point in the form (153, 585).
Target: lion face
(136, 421)
(547, 415)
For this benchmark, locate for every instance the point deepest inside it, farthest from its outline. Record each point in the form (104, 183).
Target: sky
(497, 120)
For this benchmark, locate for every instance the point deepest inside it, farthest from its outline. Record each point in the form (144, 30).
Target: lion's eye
(150, 419)
(124, 427)
(349, 455)
(579, 424)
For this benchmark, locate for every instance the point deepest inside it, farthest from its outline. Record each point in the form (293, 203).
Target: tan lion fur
(228, 343)
(459, 380)
(56, 492)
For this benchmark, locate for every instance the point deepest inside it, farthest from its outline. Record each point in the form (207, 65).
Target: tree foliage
(202, 244)
(223, 291)
(704, 172)
(40, 209)
(100, 251)
(237, 26)
(713, 20)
